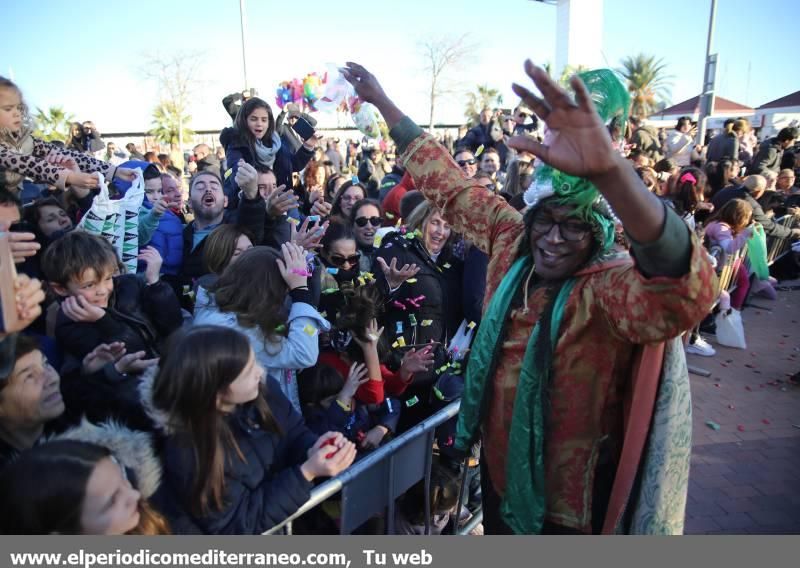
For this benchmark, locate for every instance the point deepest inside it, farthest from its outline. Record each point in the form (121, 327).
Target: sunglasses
(470, 162)
(374, 221)
(342, 260)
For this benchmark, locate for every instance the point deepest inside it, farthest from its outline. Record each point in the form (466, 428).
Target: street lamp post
(709, 78)
(244, 35)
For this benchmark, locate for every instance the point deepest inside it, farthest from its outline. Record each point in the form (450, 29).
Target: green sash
(523, 505)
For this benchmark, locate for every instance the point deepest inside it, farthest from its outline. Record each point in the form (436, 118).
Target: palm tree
(53, 124)
(481, 98)
(647, 81)
(171, 124)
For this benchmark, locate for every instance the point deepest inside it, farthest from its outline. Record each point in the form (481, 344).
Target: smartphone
(8, 277)
(303, 128)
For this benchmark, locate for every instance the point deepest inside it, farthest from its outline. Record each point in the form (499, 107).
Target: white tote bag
(730, 331)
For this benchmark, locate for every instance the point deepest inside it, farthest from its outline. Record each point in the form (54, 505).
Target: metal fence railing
(371, 485)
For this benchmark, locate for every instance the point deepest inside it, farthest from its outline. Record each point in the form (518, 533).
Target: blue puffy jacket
(167, 239)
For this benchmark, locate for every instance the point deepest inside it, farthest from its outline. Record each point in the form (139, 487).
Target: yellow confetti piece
(471, 325)
(446, 265)
(412, 280)
(426, 323)
(324, 314)
(361, 280)
(401, 341)
(228, 173)
(310, 330)
(479, 151)
(389, 215)
(395, 345)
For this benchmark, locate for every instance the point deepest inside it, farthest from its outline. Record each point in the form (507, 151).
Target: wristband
(343, 406)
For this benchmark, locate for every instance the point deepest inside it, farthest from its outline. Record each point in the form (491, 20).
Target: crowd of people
(299, 302)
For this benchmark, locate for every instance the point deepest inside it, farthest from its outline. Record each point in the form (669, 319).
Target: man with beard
(208, 202)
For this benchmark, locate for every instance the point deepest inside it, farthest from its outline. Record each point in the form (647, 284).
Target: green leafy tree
(169, 123)
(483, 96)
(53, 124)
(648, 83)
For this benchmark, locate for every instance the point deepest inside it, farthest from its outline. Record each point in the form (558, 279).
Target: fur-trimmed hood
(132, 448)
(159, 417)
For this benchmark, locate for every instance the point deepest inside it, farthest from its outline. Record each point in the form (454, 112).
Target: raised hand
(578, 142)
(396, 276)
(356, 378)
(416, 361)
(152, 258)
(29, 295)
(247, 179)
(80, 180)
(280, 201)
(309, 238)
(373, 333)
(125, 174)
(134, 363)
(365, 84)
(321, 208)
(293, 266)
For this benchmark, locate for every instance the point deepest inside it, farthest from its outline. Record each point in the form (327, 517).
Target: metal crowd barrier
(776, 248)
(372, 485)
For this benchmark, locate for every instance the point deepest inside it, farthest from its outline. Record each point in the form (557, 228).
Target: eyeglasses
(342, 260)
(470, 162)
(524, 164)
(374, 221)
(569, 229)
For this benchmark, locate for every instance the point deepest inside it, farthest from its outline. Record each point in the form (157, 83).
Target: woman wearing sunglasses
(366, 217)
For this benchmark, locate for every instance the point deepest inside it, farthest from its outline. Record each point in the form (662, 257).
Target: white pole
(244, 34)
(707, 96)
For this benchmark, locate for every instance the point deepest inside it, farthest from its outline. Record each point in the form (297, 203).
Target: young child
(730, 228)
(99, 307)
(238, 458)
(251, 297)
(22, 155)
(329, 403)
(410, 513)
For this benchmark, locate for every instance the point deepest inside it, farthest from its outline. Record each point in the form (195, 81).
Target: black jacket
(261, 490)
(769, 157)
(441, 311)
(141, 316)
(286, 162)
(771, 228)
(723, 146)
(476, 137)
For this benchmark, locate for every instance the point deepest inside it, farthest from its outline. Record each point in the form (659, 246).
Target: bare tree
(176, 76)
(443, 56)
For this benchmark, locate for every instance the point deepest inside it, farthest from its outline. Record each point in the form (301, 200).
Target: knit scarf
(265, 155)
(523, 505)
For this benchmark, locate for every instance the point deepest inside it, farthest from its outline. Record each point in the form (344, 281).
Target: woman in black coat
(423, 302)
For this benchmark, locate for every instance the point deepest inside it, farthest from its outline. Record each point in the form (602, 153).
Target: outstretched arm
(580, 146)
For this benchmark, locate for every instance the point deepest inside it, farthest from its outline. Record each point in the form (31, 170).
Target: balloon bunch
(303, 92)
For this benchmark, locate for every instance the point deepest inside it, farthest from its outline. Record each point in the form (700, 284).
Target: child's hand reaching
(416, 361)
(331, 454)
(356, 378)
(293, 266)
(79, 310)
(374, 437)
(152, 258)
(373, 335)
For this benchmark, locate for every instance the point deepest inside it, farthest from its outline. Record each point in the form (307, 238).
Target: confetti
(740, 428)
(748, 388)
(731, 406)
(329, 290)
(412, 401)
(765, 421)
(310, 330)
(711, 424)
(446, 265)
(412, 280)
(426, 323)
(301, 272)
(399, 305)
(332, 270)
(324, 314)
(401, 341)
(716, 385)
(280, 328)
(313, 218)
(412, 319)
(471, 325)
(398, 327)
(749, 366)
(293, 221)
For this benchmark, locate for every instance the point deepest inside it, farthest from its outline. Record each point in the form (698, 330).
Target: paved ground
(745, 477)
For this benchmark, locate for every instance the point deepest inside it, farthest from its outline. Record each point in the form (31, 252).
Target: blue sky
(85, 54)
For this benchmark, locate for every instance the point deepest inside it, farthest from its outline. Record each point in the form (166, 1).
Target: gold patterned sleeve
(482, 217)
